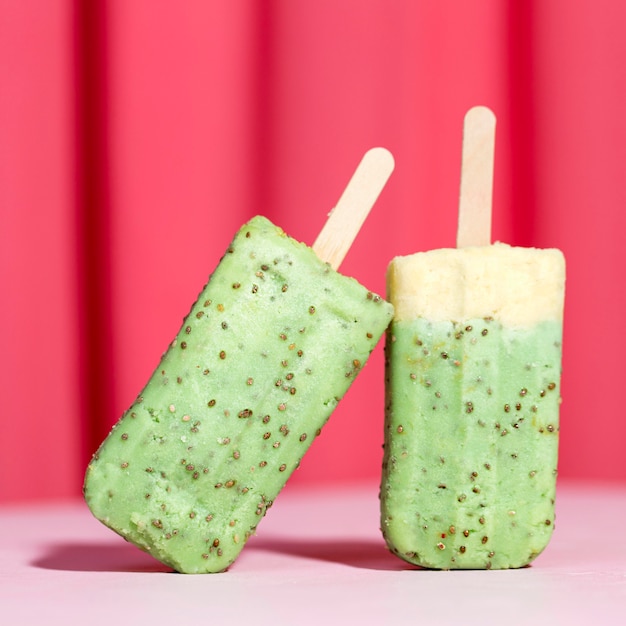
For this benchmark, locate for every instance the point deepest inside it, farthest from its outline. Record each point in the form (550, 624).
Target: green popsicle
(472, 390)
(472, 421)
(273, 342)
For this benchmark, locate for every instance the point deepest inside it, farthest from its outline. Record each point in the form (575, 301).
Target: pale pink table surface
(318, 559)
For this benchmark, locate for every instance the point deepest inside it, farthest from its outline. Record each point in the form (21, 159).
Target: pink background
(137, 135)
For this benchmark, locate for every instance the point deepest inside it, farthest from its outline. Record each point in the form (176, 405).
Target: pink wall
(40, 423)
(135, 137)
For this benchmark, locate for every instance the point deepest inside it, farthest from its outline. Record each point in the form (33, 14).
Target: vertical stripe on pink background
(136, 136)
(40, 450)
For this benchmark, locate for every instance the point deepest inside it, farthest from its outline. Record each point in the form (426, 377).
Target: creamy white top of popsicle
(517, 286)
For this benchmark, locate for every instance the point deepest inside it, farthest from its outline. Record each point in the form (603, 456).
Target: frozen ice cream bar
(472, 404)
(267, 351)
(472, 419)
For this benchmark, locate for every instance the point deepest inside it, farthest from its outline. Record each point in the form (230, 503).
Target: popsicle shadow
(106, 557)
(98, 557)
(362, 554)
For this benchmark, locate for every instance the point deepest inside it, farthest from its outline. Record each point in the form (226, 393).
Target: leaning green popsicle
(472, 407)
(267, 351)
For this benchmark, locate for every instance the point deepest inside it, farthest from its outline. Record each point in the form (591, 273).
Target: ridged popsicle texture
(473, 364)
(267, 351)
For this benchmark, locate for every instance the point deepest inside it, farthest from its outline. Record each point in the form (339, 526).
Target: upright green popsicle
(271, 345)
(472, 397)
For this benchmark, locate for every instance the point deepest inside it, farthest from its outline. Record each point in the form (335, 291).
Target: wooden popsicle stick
(479, 131)
(345, 220)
